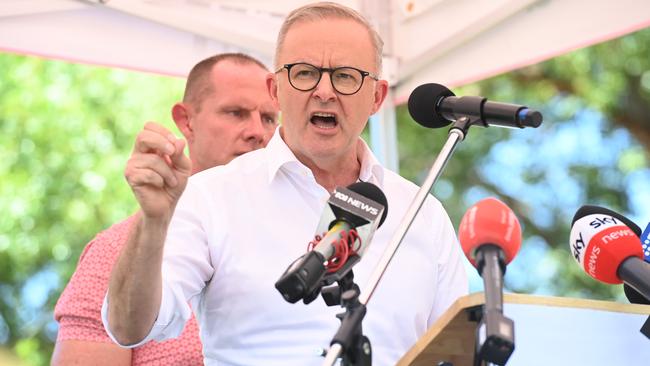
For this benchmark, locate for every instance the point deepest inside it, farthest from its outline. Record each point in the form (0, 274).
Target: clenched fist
(157, 171)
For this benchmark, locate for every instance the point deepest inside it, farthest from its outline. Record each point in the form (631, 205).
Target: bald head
(199, 84)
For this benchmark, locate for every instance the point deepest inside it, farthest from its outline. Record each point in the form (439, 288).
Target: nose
(256, 133)
(324, 90)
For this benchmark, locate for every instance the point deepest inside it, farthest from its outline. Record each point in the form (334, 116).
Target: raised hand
(157, 171)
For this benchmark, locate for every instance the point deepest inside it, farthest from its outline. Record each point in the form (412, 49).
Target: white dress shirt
(237, 228)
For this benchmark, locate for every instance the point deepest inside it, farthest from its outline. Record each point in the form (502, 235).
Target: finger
(178, 158)
(158, 165)
(144, 177)
(159, 129)
(149, 141)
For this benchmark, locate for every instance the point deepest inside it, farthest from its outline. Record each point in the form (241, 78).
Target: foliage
(66, 132)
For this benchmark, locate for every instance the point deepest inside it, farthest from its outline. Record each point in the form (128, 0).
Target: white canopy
(451, 42)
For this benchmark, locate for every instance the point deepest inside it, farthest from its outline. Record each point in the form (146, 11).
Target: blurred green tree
(66, 132)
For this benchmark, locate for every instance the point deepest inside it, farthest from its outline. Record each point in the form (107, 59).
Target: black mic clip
(307, 277)
(311, 280)
(344, 278)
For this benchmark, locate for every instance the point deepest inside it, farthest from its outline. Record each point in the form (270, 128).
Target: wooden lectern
(548, 331)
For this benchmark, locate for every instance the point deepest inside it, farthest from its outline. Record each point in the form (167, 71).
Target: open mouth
(322, 120)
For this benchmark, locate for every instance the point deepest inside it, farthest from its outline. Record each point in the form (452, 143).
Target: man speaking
(223, 243)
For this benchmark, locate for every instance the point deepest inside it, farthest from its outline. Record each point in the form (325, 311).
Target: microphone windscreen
(490, 221)
(423, 102)
(633, 296)
(600, 242)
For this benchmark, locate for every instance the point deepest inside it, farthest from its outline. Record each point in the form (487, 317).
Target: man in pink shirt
(226, 111)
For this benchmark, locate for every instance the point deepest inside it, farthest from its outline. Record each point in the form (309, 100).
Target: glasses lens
(304, 76)
(347, 80)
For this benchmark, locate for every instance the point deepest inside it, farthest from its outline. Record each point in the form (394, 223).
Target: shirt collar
(280, 155)
(371, 170)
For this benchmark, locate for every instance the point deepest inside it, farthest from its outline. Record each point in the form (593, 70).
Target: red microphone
(490, 236)
(490, 222)
(608, 250)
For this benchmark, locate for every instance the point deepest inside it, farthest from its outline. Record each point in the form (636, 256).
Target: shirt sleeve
(78, 309)
(173, 314)
(186, 268)
(452, 277)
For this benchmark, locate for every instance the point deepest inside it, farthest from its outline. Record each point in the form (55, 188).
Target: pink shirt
(78, 310)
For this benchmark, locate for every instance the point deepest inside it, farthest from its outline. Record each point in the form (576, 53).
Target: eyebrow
(273, 114)
(332, 66)
(232, 106)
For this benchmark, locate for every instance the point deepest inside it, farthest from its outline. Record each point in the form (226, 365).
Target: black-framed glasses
(345, 80)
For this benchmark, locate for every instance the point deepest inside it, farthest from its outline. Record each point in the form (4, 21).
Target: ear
(381, 91)
(272, 86)
(181, 116)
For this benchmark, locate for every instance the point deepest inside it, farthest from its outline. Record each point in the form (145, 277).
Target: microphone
(433, 106)
(608, 248)
(632, 295)
(343, 234)
(490, 236)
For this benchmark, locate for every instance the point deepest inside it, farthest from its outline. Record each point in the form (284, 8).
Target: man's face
(238, 116)
(322, 123)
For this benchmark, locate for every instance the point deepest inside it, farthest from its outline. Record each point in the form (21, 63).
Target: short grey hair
(326, 10)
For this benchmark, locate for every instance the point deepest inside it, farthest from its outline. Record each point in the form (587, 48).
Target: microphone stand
(495, 339)
(346, 293)
(349, 332)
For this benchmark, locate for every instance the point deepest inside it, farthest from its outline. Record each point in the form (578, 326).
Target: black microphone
(608, 250)
(348, 223)
(433, 106)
